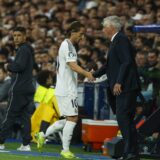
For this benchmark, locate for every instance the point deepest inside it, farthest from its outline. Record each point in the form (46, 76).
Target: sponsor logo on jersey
(71, 54)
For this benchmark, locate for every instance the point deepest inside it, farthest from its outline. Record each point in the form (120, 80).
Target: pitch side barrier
(153, 28)
(92, 97)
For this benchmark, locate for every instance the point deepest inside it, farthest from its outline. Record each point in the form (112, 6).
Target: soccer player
(66, 88)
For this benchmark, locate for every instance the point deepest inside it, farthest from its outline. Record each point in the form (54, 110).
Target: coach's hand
(117, 89)
(90, 76)
(5, 66)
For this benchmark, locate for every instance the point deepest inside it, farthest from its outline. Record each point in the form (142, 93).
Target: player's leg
(55, 127)
(67, 136)
(40, 136)
(70, 110)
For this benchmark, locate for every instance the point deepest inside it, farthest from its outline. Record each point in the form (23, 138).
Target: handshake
(89, 76)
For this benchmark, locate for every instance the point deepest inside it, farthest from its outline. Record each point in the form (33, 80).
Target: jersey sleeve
(69, 52)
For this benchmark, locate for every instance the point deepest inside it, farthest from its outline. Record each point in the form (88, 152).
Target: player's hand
(117, 89)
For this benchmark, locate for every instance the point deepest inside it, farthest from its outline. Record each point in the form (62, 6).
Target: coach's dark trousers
(125, 112)
(19, 106)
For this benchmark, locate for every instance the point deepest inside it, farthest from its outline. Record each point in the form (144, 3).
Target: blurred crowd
(46, 22)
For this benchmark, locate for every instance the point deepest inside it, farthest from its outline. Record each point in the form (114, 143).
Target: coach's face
(19, 37)
(108, 31)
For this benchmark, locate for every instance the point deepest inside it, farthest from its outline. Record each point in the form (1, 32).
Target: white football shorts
(68, 105)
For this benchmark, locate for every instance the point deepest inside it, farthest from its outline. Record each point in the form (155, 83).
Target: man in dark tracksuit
(123, 83)
(21, 92)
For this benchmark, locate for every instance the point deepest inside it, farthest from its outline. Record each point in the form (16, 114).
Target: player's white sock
(67, 134)
(55, 127)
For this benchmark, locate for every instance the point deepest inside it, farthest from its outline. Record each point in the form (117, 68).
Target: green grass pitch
(50, 149)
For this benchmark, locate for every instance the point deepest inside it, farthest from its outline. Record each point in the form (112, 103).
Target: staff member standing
(21, 91)
(123, 83)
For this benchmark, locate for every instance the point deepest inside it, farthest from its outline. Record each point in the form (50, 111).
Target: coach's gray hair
(114, 21)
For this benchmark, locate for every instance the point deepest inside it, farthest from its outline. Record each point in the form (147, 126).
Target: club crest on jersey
(71, 54)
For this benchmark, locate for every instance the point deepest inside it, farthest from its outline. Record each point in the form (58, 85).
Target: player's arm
(76, 68)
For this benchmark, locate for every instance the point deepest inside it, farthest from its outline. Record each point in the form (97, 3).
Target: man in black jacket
(123, 83)
(21, 92)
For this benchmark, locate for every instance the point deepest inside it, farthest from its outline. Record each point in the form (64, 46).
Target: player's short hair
(20, 29)
(74, 26)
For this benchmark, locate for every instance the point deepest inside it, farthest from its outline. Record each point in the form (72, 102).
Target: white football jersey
(66, 83)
